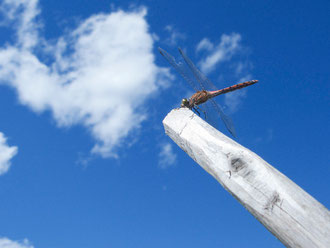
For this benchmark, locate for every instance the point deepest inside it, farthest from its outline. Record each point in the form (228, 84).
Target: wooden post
(285, 209)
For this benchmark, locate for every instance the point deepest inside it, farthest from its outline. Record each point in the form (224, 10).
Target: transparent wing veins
(179, 67)
(203, 80)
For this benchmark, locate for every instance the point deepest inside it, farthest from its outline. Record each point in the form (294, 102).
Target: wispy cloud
(224, 50)
(7, 243)
(6, 154)
(205, 44)
(234, 99)
(100, 75)
(167, 157)
(267, 137)
(174, 36)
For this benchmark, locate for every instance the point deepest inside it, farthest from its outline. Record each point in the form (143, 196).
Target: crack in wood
(275, 198)
(186, 124)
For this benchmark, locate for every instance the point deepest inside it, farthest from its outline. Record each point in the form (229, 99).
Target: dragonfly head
(185, 103)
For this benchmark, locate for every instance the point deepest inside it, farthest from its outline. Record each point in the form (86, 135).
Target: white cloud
(99, 77)
(205, 44)
(174, 37)
(234, 99)
(7, 243)
(167, 157)
(228, 46)
(6, 154)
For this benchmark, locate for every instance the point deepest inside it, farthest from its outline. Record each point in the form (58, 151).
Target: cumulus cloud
(6, 154)
(167, 157)
(227, 47)
(7, 243)
(98, 76)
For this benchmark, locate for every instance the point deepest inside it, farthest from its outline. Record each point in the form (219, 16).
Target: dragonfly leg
(195, 108)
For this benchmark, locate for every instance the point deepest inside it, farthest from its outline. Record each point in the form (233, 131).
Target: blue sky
(84, 161)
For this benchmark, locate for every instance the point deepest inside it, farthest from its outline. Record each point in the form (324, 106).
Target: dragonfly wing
(206, 84)
(208, 114)
(180, 68)
(226, 120)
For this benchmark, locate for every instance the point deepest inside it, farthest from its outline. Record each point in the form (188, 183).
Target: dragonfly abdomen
(232, 88)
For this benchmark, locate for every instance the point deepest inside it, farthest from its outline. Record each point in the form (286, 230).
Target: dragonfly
(202, 96)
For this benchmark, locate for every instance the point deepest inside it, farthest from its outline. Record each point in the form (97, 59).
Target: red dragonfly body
(202, 96)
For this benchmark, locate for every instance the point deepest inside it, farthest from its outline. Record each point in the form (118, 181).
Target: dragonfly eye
(184, 103)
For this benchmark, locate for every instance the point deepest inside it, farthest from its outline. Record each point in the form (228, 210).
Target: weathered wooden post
(285, 209)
